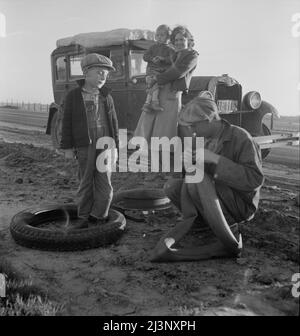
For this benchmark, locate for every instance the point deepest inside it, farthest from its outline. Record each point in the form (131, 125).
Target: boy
(159, 58)
(89, 114)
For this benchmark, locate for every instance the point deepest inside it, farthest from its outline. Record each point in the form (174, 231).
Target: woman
(173, 82)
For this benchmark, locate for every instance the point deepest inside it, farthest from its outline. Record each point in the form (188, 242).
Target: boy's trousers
(95, 191)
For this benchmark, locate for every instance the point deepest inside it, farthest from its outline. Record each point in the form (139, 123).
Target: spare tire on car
(32, 229)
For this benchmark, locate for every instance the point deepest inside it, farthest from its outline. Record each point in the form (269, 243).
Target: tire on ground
(25, 231)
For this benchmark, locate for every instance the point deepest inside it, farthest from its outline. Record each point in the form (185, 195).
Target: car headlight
(252, 100)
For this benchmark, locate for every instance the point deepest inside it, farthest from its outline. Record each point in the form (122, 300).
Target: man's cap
(96, 60)
(198, 109)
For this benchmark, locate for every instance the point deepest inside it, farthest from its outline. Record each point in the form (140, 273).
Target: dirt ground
(120, 280)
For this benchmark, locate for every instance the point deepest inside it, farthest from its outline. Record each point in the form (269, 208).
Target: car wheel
(266, 151)
(34, 229)
(56, 127)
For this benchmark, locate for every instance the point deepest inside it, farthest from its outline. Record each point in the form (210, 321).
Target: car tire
(25, 231)
(56, 126)
(266, 151)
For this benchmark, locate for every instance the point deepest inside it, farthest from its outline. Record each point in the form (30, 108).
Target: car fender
(266, 108)
(253, 121)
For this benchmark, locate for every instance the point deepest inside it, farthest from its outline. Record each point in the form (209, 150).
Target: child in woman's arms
(159, 58)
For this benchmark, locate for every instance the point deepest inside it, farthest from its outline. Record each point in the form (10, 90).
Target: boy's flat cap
(96, 60)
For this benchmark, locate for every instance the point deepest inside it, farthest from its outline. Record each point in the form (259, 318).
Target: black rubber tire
(56, 126)
(25, 232)
(266, 151)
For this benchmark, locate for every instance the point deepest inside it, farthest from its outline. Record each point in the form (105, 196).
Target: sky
(256, 42)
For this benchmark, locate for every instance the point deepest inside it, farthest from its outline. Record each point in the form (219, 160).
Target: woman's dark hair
(182, 30)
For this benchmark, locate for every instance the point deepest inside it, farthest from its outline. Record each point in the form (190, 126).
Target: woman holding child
(170, 82)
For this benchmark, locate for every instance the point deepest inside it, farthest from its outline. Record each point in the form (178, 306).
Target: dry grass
(23, 298)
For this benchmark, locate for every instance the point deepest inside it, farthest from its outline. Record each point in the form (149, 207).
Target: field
(286, 123)
(120, 280)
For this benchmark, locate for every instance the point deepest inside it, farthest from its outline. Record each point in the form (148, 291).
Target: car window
(117, 57)
(61, 69)
(136, 63)
(75, 68)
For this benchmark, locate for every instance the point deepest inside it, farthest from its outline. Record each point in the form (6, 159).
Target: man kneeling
(228, 193)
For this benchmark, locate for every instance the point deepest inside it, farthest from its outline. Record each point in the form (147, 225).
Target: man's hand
(69, 154)
(189, 158)
(211, 157)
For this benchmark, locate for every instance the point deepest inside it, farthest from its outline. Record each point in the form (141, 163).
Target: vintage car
(125, 48)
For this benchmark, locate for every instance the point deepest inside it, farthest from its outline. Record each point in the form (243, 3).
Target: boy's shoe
(81, 223)
(155, 106)
(93, 221)
(102, 221)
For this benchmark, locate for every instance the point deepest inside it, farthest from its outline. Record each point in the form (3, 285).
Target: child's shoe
(93, 221)
(81, 223)
(103, 220)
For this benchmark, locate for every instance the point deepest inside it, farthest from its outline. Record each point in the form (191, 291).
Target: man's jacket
(180, 73)
(75, 126)
(238, 174)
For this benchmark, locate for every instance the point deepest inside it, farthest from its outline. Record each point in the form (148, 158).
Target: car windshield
(137, 65)
(75, 68)
(117, 57)
(61, 68)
